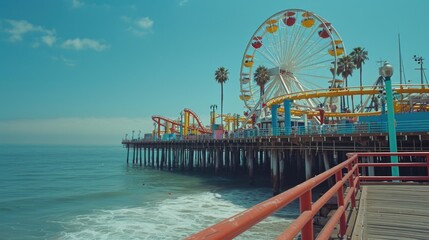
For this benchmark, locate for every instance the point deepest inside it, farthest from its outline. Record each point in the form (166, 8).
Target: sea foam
(173, 218)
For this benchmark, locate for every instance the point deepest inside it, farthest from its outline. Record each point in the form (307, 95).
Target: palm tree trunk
(263, 100)
(360, 78)
(221, 103)
(347, 98)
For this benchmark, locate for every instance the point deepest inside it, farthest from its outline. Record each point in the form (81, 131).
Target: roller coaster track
(337, 92)
(200, 127)
(343, 92)
(162, 121)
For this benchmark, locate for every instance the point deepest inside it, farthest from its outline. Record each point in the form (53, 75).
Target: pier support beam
(169, 158)
(266, 160)
(162, 158)
(236, 160)
(144, 156)
(250, 164)
(299, 162)
(308, 164)
(275, 171)
(282, 171)
(137, 155)
(128, 153)
(227, 159)
(134, 154)
(141, 149)
(152, 164)
(203, 159)
(327, 167)
(182, 159)
(157, 157)
(217, 160)
(191, 159)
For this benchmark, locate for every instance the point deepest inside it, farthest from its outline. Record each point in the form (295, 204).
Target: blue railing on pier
(325, 129)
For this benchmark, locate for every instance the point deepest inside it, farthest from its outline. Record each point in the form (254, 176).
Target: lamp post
(387, 71)
(213, 108)
(132, 136)
(419, 60)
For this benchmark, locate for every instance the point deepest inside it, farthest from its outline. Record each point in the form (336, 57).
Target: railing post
(352, 185)
(340, 202)
(305, 205)
(357, 173)
(427, 165)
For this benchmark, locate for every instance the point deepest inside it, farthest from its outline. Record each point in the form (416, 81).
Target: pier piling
(284, 160)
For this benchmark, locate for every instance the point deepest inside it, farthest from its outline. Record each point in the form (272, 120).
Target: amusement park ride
(188, 123)
(301, 51)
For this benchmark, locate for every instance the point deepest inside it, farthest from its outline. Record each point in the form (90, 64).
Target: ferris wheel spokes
(271, 60)
(301, 44)
(284, 83)
(317, 65)
(319, 53)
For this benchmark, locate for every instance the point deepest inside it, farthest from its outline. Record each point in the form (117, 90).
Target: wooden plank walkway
(393, 212)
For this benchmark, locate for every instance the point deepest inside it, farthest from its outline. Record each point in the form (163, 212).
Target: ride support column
(275, 123)
(288, 117)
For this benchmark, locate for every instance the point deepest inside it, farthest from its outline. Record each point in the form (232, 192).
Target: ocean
(89, 192)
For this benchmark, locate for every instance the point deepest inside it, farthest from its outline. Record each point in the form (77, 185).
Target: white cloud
(77, 3)
(140, 27)
(145, 23)
(84, 43)
(183, 2)
(49, 40)
(71, 130)
(18, 28)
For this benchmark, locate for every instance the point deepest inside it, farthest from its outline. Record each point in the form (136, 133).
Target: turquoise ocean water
(70, 192)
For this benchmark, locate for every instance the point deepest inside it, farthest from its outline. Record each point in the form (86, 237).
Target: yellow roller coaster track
(338, 92)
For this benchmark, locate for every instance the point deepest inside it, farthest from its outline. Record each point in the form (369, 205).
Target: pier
(291, 159)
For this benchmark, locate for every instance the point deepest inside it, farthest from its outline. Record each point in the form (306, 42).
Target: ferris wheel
(300, 51)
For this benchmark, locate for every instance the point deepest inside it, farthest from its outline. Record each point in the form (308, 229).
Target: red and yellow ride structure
(189, 121)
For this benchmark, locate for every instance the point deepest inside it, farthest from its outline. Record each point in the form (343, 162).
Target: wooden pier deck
(393, 212)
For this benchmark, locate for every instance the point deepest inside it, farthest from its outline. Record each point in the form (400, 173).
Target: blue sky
(87, 72)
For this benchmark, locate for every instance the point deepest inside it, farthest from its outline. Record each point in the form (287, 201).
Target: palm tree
(359, 55)
(345, 69)
(261, 77)
(221, 76)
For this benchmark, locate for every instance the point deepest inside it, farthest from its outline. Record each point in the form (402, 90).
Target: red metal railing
(347, 171)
